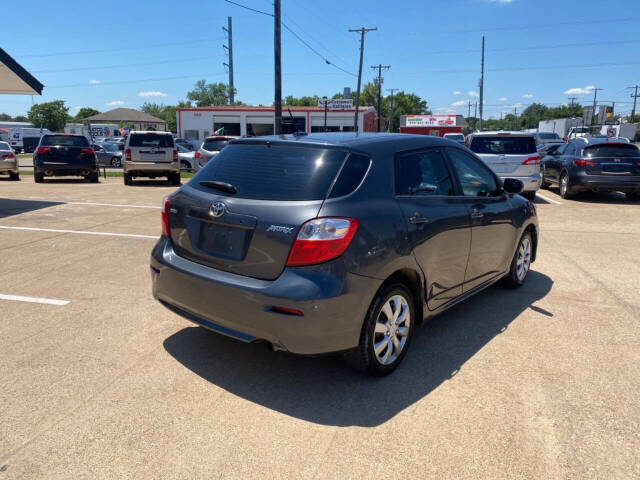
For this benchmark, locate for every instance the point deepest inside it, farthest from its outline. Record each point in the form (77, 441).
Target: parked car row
(9, 161)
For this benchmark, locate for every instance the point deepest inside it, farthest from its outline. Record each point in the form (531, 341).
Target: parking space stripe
(81, 232)
(547, 199)
(46, 301)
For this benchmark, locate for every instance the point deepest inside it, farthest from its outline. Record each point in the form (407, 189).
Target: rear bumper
(9, 166)
(61, 168)
(604, 183)
(334, 302)
(151, 168)
(531, 183)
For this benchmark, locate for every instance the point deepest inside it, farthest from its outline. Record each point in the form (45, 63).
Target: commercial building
(196, 123)
(436, 125)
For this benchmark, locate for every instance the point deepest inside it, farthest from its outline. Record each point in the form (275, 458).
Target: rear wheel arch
(414, 282)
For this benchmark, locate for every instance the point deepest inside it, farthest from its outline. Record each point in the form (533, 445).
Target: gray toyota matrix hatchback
(339, 242)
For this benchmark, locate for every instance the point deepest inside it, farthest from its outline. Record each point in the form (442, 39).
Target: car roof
(593, 140)
(351, 139)
(155, 132)
(505, 133)
(218, 137)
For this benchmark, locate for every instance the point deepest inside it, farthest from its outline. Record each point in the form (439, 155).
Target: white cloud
(580, 90)
(527, 95)
(94, 82)
(152, 94)
(503, 99)
(456, 92)
(501, 1)
(115, 103)
(459, 103)
(471, 93)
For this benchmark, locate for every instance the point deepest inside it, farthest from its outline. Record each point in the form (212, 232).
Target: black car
(339, 242)
(63, 155)
(593, 164)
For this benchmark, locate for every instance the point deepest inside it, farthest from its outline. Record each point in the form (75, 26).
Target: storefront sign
(431, 120)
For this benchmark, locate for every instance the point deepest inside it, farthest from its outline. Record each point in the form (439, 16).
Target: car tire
(544, 184)
(384, 341)
(185, 167)
(116, 162)
(529, 195)
(564, 186)
(174, 179)
(14, 176)
(38, 177)
(93, 177)
(521, 262)
(128, 179)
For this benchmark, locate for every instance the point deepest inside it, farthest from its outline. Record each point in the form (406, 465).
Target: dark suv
(338, 242)
(59, 154)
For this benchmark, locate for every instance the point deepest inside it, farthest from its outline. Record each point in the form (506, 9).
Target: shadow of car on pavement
(325, 390)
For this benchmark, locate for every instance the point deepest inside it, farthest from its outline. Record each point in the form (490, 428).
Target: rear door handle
(417, 219)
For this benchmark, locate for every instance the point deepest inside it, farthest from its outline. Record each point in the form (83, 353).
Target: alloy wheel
(391, 330)
(523, 261)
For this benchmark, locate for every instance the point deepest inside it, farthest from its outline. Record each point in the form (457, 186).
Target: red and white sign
(431, 120)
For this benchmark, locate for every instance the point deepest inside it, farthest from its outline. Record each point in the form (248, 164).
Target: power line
(122, 82)
(124, 65)
(105, 50)
(326, 60)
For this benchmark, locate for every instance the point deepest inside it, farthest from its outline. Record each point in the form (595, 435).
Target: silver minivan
(151, 154)
(509, 155)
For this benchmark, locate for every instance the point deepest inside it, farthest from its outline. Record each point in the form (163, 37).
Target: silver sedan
(108, 154)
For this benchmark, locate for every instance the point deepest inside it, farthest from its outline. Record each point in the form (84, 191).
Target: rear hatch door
(507, 154)
(150, 147)
(69, 150)
(248, 226)
(611, 158)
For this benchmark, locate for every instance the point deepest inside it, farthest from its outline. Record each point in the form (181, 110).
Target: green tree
(52, 115)
(20, 118)
(165, 112)
(5, 117)
(85, 112)
(212, 94)
(291, 101)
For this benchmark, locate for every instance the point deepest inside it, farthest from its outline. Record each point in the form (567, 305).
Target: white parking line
(547, 199)
(82, 232)
(47, 301)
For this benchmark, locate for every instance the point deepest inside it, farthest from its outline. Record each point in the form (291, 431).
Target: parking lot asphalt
(540, 382)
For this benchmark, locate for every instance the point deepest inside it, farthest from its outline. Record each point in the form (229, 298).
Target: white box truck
(560, 126)
(626, 130)
(16, 135)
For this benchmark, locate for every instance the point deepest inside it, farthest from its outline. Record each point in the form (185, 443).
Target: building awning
(15, 80)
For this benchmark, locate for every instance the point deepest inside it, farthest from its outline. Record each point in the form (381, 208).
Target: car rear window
(64, 141)
(4, 146)
(150, 140)
(612, 150)
(548, 136)
(275, 172)
(214, 145)
(503, 145)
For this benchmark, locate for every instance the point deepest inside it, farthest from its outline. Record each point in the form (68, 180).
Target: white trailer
(626, 130)
(560, 126)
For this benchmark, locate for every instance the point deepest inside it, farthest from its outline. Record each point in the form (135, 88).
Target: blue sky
(155, 51)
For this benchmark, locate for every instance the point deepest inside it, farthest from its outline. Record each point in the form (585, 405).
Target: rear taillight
(535, 160)
(197, 155)
(43, 150)
(175, 155)
(8, 155)
(127, 155)
(88, 151)
(581, 162)
(321, 239)
(166, 229)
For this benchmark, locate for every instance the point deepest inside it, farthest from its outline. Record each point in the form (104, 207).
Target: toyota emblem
(217, 209)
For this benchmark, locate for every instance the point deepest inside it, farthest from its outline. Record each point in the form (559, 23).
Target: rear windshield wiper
(224, 186)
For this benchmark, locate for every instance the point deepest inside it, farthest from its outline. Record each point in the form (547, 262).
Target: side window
(351, 175)
(422, 173)
(475, 179)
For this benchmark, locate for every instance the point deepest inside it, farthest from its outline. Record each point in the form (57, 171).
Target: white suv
(151, 154)
(509, 155)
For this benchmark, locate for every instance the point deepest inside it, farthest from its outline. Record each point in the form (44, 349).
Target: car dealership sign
(336, 103)
(431, 120)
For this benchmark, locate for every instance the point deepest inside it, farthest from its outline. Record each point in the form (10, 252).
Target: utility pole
(634, 95)
(572, 101)
(277, 101)
(378, 80)
(362, 31)
(515, 113)
(390, 125)
(481, 83)
(475, 113)
(326, 105)
(229, 65)
(595, 95)
(469, 109)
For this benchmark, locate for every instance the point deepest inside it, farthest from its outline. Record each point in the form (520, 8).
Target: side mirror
(512, 185)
